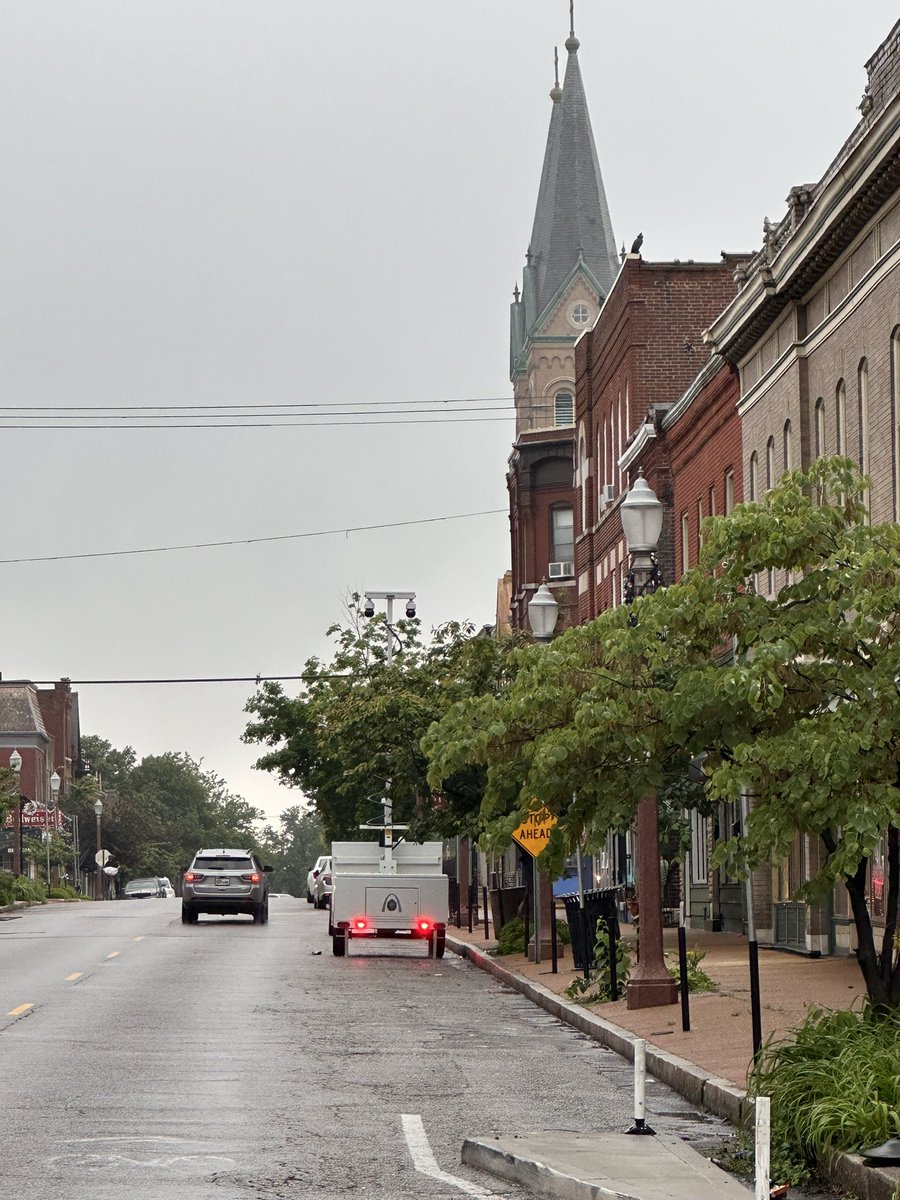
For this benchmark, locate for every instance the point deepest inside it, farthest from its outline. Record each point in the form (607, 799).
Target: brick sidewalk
(720, 1040)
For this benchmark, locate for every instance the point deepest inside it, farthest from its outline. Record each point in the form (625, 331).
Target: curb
(719, 1096)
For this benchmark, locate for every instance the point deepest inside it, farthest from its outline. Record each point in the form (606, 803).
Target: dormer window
(563, 408)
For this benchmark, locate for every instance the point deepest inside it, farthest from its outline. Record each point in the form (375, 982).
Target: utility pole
(389, 598)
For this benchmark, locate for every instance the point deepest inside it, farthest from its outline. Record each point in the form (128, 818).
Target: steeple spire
(572, 212)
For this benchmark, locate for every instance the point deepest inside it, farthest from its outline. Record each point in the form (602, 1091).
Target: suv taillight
(192, 877)
(255, 877)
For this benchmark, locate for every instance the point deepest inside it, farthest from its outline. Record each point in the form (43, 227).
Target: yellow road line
(139, 939)
(75, 975)
(115, 954)
(17, 1012)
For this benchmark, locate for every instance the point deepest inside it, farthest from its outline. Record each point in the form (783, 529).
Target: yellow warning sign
(534, 832)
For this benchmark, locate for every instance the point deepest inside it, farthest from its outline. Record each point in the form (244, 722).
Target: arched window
(729, 491)
(788, 448)
(770, 463)
(820, 427)
(562, 539)
(863, 413)
(754, 476)
(583, 476)
(563, 408)
(840, 417)
(685, 542)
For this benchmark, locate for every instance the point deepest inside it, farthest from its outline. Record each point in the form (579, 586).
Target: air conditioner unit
(560, 570)
(607, 495)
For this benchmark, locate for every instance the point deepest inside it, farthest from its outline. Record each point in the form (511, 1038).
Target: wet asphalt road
(226, 1060)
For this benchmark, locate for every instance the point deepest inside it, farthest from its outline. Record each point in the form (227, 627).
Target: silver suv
(225, 882)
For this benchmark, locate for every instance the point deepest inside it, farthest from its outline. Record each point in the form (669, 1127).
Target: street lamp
(98, 809)
(54, 789)
(651, 984)
(15, 765)
(543, 613)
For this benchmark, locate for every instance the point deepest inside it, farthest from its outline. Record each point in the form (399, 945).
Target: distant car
(313, 876)
(167, 890)
(140, 889)
(324, 886)
(224, 882)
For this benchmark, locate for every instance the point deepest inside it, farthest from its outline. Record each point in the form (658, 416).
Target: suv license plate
(223, 883)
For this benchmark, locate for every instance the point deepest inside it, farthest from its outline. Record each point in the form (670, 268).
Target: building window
(562, 541)
(840, 417)
(580, 314)
(754, 475)
(729, 491)
(712, 501)
(699, 525)
(770, 463)
(563, 408)
(788, 448)
(685, 543)
(820, 427)
(863, 382)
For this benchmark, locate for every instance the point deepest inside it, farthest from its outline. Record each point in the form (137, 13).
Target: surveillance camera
(410, 608)
(369, 610)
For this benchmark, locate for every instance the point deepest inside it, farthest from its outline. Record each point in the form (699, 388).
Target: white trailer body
(394, 891)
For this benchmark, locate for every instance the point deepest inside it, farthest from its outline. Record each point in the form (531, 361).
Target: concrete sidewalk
(708, 1065)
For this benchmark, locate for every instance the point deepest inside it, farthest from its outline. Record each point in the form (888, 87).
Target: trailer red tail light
(424, 926)
(254, 877)
(359, 923)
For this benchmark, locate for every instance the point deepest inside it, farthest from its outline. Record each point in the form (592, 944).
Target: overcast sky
(281, 202)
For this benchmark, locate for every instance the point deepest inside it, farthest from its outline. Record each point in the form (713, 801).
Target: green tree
(294, 847)
(804, 716)
(359, 721)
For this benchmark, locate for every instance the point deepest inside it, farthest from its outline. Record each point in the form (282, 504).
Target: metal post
(536, 888)
(585, 965)
(487, 922)
(683, 975)
(47, 838)
(651, 984)
(613, 959)
(763, 1132)
(554, 948)
(752, 944)
(75, 871)
(640, 1125)
(99, 886)
(390, 629)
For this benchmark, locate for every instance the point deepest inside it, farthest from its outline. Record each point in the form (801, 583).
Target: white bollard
(640, 1088)
(763, 1137)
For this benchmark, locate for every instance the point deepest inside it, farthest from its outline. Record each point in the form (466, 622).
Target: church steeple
(572, 213)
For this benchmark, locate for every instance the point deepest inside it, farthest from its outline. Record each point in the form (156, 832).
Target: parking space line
(75, 975)
(114, 954)
(17, 1012)
(425, 1162)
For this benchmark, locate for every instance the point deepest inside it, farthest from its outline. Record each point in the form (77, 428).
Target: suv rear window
(221, 863)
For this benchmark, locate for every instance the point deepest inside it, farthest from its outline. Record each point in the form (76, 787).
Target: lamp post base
(651, 993)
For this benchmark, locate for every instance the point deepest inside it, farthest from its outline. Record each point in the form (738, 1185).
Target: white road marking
(424, 1160)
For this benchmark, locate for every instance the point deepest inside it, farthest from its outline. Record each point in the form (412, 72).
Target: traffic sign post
(533, 836)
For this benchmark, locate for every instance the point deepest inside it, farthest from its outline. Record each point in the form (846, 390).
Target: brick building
(642, 355)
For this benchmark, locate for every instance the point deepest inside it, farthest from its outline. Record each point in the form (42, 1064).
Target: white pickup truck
(397, 891)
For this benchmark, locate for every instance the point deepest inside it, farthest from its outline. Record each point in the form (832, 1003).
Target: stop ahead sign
(534, 832)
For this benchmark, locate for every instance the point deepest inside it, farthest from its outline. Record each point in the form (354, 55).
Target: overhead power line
(307, 424)
(282, 537)
(309, 677)
(114, 408)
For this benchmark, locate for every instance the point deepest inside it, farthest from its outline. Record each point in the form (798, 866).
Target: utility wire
(271, 424)
(283, 537)
(505, 400)
(218, 411)
(309, 677)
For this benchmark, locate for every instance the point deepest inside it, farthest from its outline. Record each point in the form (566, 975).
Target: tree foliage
(793, 698)
(359, 721)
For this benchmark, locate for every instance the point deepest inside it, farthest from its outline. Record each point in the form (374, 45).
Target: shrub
(511, 938)
(697, 979)
(65, 892)
(6, 887)
(30, 890)
(835, 1086)
(596, 988)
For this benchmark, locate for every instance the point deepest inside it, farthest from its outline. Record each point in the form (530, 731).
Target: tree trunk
(866, 954)
(890, 959)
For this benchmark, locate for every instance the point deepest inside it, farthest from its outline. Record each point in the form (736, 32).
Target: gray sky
(285, 202)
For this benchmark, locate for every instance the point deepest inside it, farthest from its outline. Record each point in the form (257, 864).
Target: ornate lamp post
(651, 984)
(543, 613)
(15, 765)
(98, 809)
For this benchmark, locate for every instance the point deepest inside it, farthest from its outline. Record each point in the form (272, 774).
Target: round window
(580, 314)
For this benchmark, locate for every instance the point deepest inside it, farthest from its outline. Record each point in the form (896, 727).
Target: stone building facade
(814, 334)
